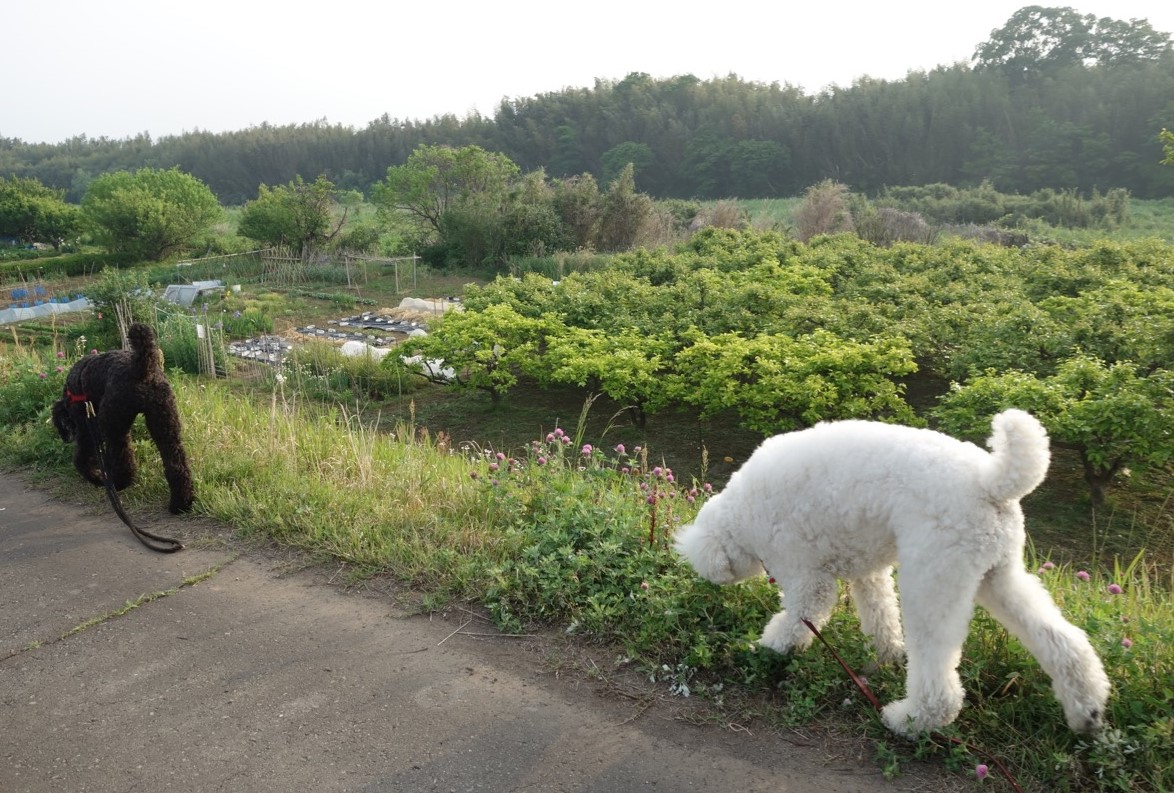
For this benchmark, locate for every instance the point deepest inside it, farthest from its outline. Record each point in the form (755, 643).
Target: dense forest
(1052, 100)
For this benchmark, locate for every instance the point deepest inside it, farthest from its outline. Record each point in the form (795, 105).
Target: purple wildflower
(1127, 642)
(981, 771)
(1114, 589)
(1082, 575)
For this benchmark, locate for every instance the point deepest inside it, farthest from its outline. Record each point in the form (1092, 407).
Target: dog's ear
(62, 422)
(706, 553)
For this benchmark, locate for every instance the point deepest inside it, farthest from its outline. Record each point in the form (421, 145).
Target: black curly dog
(121, 385)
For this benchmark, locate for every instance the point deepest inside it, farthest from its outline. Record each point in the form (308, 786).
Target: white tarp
(357, 349)
(10, 315)
(435, 370)
(434, 306)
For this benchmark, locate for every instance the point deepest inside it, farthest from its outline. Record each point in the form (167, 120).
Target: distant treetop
(1038, 38)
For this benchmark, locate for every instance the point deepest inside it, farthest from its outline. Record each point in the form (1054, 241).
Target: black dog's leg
(162, 417)
(114, 422)
(85, 456)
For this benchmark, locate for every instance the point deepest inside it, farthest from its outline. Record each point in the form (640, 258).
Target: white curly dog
(851, 499)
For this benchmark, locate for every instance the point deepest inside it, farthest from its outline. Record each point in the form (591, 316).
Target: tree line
(1052, 100)
(475, 209)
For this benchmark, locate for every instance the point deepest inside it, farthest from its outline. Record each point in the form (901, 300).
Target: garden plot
(266, 349)
(375, 331)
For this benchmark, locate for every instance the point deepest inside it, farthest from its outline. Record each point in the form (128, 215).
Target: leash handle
(165, 544)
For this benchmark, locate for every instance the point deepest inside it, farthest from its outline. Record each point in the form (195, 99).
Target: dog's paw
(1086, 722)
(773, 643)
(909, 718)
(784, 636)
(901, 718)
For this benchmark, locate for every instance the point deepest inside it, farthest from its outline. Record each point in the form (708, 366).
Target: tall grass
(323, 481)
(567, 536)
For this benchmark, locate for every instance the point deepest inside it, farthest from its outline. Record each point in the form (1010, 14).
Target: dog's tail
(1019, 455)
(146, 350)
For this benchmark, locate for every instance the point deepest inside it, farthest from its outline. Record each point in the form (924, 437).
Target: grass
(549, 533)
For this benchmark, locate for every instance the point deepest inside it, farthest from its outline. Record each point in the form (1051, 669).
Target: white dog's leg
(937, 602)
(880, 619)
(807, 598)
(1019, 601)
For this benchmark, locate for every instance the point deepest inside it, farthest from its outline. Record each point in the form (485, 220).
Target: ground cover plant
(563, 520)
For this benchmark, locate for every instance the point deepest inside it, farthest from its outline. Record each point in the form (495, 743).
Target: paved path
(235, 672)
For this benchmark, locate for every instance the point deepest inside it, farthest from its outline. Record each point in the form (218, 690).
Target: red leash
(864, 689)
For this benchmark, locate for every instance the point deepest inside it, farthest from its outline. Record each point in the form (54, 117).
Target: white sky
(120, 67)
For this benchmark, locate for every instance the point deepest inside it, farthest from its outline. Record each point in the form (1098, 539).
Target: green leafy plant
(30, 384)
(150, 213)
(1112, 416)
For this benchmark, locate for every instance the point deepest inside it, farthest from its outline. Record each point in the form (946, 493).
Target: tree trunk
(1098, 479)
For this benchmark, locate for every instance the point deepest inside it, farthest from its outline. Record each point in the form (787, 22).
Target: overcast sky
(121, 67)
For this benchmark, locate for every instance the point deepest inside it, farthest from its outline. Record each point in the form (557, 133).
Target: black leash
(860, 684)
(152, 541)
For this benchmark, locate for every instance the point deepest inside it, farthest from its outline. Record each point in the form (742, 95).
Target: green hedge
(69, 264)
